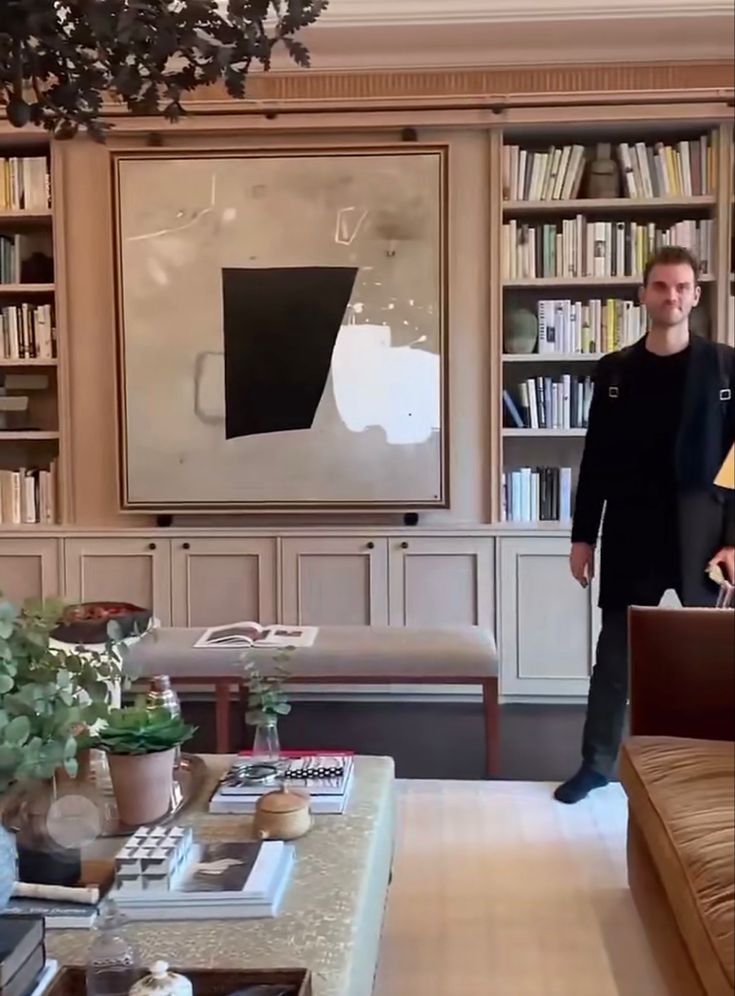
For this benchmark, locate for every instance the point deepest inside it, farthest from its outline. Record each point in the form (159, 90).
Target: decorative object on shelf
(113, 960)
(59, 63)
(141, 746)
(161, 695)
(603, 174)
(50, 699)
(282, 815)
(267, 701)
(162, 982)
(520, 331)
(90, 623)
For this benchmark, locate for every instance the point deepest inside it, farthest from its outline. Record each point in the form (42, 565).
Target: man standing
(662, 420)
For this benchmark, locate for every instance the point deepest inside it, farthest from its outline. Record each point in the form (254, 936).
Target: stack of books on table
(180, 878)
(24, 968)
(326, 778)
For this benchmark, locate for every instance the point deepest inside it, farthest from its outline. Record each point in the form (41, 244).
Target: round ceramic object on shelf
(520, 331)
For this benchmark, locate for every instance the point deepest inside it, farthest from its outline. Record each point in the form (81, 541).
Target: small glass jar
(113, 962)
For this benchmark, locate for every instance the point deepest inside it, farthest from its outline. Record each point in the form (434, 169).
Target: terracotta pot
(142, 784)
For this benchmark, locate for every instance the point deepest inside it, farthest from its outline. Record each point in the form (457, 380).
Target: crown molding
(360, 13)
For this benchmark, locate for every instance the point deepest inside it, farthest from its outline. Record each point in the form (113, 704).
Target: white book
(319, 805)
(252, 634)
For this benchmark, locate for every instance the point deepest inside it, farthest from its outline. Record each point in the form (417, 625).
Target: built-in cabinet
(29, 567)
(516, 585)
(216, 581)
(547, 623)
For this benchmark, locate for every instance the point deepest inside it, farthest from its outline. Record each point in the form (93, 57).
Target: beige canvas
(378, 433)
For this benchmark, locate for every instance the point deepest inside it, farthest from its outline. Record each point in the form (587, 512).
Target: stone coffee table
(332, 914)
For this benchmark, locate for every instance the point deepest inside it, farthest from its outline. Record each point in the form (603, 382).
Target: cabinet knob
(186, 546)
(151, 546)
(370, 545)
(404, 545)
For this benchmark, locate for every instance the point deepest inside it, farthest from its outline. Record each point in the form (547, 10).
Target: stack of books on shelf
(27, 332)
(25, 970)
(537, 494)
(26, 259)
(684, 169)
(165, 873)
(327, 778)
(594, 326)
(548, 403)
(28, 496)
(582, 248)
(25, 184)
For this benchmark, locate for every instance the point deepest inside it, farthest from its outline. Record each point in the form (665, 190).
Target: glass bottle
(113, 962)
(161, 695)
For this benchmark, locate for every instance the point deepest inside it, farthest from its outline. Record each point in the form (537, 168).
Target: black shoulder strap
(618, 364)
(722, 368)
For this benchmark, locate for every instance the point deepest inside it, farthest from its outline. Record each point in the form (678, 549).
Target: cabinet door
(548, 623)
(129, 569)
(442, 581)
(29, 568)
(216, 581)
(335, 580)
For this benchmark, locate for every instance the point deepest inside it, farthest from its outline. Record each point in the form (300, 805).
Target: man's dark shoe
(579, 786)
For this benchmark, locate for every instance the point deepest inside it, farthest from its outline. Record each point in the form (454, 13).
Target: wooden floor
(500, 891)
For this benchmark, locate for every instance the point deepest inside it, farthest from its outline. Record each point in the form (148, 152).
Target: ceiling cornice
(358, 13)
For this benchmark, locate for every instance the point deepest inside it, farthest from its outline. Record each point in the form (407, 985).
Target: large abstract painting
(282, 325)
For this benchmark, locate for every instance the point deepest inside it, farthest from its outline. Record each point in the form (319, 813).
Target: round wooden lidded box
(282, 815)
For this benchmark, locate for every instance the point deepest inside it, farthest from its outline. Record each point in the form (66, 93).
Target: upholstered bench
(356, 655)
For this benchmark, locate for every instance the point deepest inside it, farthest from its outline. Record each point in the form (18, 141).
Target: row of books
(548, 403)
(28, 496)
(27, 332)
(537, 494)
(327, 778)
(655, 170)
(582, 248)
(25, 184)
(594, 326)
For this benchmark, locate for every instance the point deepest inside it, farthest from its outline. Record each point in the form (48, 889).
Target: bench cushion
(373, 653)
(682, 794)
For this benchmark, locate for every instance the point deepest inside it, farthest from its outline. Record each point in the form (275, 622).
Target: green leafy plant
(138, 730)
(60, 61)
(48, 696)
(267, 699)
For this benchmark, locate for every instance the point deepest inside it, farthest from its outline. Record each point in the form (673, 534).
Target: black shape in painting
(280, 327)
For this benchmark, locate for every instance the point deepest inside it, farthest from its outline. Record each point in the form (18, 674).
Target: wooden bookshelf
(28, 453)
(709, 216)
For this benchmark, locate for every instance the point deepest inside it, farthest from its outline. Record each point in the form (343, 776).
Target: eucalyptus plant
(267, 699)
(48, 696)
(61, 59)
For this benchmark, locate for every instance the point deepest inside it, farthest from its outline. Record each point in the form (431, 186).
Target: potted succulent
(141, 747)
(267, 702)
(48, 697)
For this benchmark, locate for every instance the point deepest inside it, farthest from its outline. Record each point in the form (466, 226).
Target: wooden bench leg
(222, 716)
(491, 711)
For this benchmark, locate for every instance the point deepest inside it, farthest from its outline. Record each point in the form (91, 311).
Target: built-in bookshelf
(29, 390)
(580, 213)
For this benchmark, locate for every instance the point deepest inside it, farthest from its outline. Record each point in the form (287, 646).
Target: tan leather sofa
(678, 770)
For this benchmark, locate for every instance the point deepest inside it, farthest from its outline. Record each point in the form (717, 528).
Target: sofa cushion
(682, 796)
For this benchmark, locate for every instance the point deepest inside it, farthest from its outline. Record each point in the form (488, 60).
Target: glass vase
(266, 745)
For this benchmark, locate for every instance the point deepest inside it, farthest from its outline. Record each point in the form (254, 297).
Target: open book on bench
(252, 634)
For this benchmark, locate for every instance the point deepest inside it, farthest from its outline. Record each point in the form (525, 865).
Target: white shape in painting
(377, 384)
(348, 225)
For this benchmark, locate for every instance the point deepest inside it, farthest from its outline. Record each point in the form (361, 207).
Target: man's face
(670, 294)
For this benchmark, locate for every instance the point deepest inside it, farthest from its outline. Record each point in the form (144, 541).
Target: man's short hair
(668, 256)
